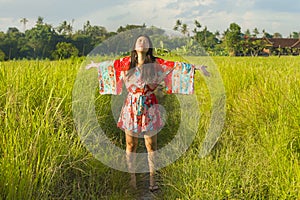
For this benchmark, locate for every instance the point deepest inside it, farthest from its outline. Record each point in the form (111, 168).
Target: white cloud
(245, 4)
(5, 23)
(165, 16)
(215, 14)
(270, 21)
(217, 20)
(135, 12)
(8, 22)
(205, 2)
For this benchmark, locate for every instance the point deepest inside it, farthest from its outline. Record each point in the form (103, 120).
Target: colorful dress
(141, 112)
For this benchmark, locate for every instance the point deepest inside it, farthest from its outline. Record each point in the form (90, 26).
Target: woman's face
(142, 44)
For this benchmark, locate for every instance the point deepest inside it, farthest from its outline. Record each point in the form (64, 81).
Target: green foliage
(233, 38)
(130, 27)
(65, 28)
(192, 48)
(2, 55)
(83, 43)
(65, 50)
(96, 33)
(277, 35)
(252, 47)
(201, 41)
(41, 40)
(295, 35)
(206, 38)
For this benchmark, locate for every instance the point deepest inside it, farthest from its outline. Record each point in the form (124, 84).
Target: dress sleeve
(110, 75)
(178, 78)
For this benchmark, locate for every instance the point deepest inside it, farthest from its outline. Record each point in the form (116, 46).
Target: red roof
(283, 42)
(297, 44)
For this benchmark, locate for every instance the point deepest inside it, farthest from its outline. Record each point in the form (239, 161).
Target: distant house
(281, 46)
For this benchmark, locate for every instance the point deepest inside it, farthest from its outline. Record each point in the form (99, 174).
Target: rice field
(256, 157)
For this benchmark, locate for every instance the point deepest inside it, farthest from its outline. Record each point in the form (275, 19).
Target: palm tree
(197, 24)
(248, 33)
(24, 21)
(255, 32)
(40, 21)
(218, 35)
(264, 32)
(65, 28)
(178, 24)
(277, 35)
(205, 34)
(69, 29)
(62, 27)
(184, 29)
(72, 24)
(87, 26)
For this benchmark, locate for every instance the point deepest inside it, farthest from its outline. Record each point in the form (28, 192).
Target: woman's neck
(141, 58)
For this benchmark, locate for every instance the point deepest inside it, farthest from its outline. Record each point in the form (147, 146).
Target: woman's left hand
(203, 69)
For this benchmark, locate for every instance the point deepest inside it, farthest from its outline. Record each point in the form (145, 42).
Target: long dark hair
(150, 58)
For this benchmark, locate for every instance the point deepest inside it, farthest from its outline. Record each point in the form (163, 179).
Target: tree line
(46, 41)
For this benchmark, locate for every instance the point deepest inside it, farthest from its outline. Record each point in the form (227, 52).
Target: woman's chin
(141, 50)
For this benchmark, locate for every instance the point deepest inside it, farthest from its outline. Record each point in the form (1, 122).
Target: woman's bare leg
(131, 146)
(151, 145)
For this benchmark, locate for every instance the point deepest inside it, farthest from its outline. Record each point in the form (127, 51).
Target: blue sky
(271, 15)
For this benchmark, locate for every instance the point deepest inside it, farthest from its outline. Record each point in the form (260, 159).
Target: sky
(271, 15)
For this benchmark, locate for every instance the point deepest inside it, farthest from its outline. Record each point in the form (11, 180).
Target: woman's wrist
(199, 67)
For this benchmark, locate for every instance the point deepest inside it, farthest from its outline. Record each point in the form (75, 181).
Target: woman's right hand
(91, 65)
(203, 69)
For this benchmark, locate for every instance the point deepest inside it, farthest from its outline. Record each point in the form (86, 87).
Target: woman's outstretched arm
(92, 65)
(203, 69)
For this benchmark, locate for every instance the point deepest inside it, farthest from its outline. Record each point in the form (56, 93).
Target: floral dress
(141, 111)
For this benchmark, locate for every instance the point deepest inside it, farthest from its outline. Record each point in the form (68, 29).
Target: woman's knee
(151, 147)
(131, 145)
(151, 143)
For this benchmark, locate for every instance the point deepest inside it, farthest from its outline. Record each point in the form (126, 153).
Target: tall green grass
(41, 156)
(256, 157)
(258, 154)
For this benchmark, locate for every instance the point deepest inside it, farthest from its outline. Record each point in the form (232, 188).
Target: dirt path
(143, 192)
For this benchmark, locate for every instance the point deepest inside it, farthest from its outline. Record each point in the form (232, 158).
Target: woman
(140, 116)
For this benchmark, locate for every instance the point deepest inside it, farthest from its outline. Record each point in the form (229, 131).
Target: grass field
(256, 157)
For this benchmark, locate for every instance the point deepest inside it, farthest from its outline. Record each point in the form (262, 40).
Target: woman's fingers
(91, 65)
(203, 69)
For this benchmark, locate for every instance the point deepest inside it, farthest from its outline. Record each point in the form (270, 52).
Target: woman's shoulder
(162, 61)
(123, 63)
(125, 59)
(159, 60)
